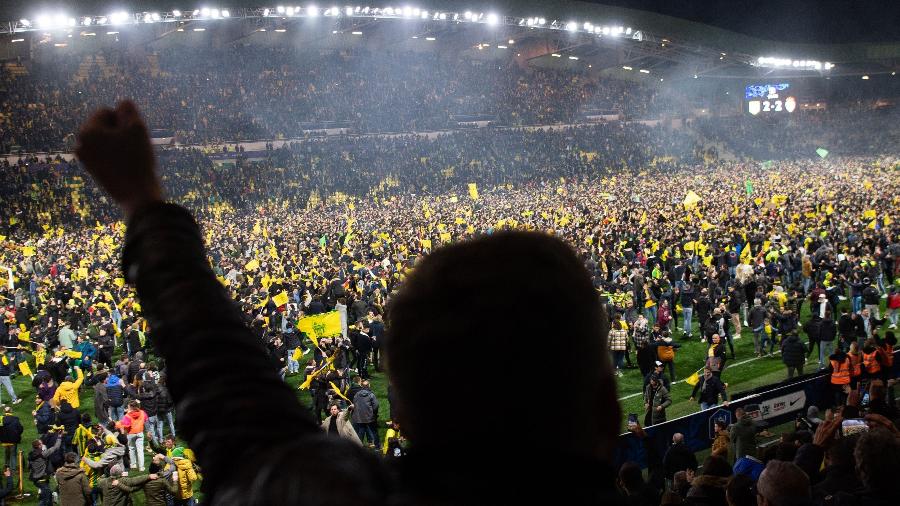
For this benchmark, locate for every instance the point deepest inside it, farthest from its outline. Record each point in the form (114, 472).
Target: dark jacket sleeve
(809, 458)
(199, 331)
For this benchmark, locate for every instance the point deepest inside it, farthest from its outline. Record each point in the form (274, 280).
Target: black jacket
(793, 351)
(678, 458)
(165, 258)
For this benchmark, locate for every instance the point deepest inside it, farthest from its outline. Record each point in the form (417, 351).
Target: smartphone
(632, 420)
(852, 426)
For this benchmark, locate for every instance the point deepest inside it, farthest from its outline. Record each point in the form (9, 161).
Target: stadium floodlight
(456, 17)
(177, 13)
(18, 40)
(865, 78)
(312, 11)
(196, 12)
(628, 31)
(199, 29)
(348, 11)
(289, 11)
(430, 39)
(111, 33)
(511, 41)
(468, 15)
(573, 57)
(644, 71)
(542, 21)
(356, 33)
(214, 13)
(626, 67)
(86, 21)
(605, 30)
(205, 12)
(118, 18)
(335, 11)
(365, 10)
(101, 20)
(280, 30)
(226, 14)
(25, 22)
(279, 9)
(148, 18)
(501, 47)
(493, 19)
(572, 26)
(443, 16)
(696, 76)
(407, 12)
(389, 11)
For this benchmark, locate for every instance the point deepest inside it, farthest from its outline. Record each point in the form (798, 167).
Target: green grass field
(744, 373)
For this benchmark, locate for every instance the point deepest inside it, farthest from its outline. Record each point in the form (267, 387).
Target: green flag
(749, 187)
(322, 241)
(822, 152)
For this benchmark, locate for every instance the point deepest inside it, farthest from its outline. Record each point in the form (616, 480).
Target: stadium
(308, 253)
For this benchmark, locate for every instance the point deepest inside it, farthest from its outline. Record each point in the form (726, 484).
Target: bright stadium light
(177, 13)
(389, 11)
(573, 57)
(196, 12)
(407, 11)
(605, 30)
(865, 78)
(148, 18)
(18, 40)
(556, 55)
(312, 11)
(335, 11)
(628, 31)
(443, 16)
(626, 67)
(118, 18)
(102, 20)
(430, 39)
(199, 29)
(279, 9)
(205, 12)
(644, 71)
(348, 11)
(214, 13)
(25, 22)
(424, 15)
(588, 27)
(572, 26)
(467, 15)
(290, 11)
(541, 21)
(493, 19)
(226, 14)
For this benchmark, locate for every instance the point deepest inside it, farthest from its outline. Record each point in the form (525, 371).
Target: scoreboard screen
(766, 99)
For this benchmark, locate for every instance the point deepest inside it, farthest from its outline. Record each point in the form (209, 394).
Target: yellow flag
(870, 214)
(281, 299)
(643, 218)
(445, 236)
(338, 391)
(298, 352)
(82, 273)
(25, 369)
(120, 282)
(321, 325)
(252, 265)
(691, 199)
(693, 379)
(27, 251)
(426, 243)
(872, 224)
(887, 221)
(473, 191)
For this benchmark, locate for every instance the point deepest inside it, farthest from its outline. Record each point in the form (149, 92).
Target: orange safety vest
(855, 364)
(840, 372)
(870, 361)
(888, 351)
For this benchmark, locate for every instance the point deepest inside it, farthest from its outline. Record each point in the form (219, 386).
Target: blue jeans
(10, 456)
(688, 312)
(704, 406)
(155, 425)
(650, 313)
(7, 384)
(857, 303)
(365, 430)
(826, 348)
(45, 495)
(618, 358)
(292, 365)
(116, 413)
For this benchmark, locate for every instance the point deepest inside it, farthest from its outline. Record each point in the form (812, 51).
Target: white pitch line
(631, 396)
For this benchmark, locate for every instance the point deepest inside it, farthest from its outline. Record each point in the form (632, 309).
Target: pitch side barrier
(769, 406)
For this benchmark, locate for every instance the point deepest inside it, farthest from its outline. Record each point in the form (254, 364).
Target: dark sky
(810, 21)
(800, 21)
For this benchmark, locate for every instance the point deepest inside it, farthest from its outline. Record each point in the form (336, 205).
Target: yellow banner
(321, 325)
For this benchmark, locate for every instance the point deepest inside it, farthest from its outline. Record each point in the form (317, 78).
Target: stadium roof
(545, 33)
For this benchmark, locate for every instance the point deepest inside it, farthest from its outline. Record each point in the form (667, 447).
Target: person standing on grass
(793, 354)
(618, 344)
(757, 321)
(135, 421)
(710, 389)
(364, 415)
(74, 486)
(5, 373)
(40, 469)
(338, 424)
(715, 355)
(656, 400)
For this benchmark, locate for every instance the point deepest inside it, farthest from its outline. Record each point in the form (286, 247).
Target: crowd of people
(250, 92)
(682, 248)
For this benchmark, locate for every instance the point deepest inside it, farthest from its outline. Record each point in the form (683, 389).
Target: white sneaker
(746, 324)
(736, 337)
